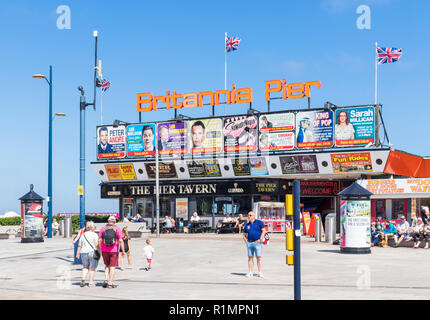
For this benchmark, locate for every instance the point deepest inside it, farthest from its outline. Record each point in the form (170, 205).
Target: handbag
(96, 253)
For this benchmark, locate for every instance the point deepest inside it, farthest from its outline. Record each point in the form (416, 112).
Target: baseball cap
(112, 219)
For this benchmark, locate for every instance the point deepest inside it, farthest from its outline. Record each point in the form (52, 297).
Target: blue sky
(179, 46)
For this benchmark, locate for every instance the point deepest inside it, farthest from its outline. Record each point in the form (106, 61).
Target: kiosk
(31, 217)
(355, 219)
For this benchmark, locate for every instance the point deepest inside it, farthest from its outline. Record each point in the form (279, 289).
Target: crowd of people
(418, 231)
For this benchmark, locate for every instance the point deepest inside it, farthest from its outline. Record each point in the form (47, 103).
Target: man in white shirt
(402, 231)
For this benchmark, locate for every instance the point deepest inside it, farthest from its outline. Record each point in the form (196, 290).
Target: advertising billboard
(203, 168)
(120, 172)
(240, 133)
(111, 142)
(166, 170)
(351, 162)
(172, 137)
(355, 223)
(141, 140)
(241, 167)
(277, 122)
(299, 164)
(258, 166)
(314, 129)
(276, 141)
(205, 136)
(355, 126)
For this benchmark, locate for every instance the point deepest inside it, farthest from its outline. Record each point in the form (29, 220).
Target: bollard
(317, 229)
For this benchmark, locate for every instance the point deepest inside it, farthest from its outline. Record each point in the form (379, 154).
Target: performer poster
(240, 133)
(277, 122)
(172, 138)
(355, 126)
(351, 162)
(111, 142)
(205, 136)
(141, 140)
(276, 141)
(314, 129)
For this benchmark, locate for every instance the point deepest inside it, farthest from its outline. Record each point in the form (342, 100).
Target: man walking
(110, 240)
(253, 235)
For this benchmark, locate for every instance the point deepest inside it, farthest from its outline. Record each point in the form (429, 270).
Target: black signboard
(206, 168)
(299, 164)
(271, 187)
(166, 170)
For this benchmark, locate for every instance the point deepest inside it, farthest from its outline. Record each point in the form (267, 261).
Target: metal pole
(82, 161)
(376, 73)
(50, 158)
(297, 234)
(157, 191)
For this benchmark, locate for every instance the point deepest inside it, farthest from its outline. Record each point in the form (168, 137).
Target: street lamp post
(49, 198)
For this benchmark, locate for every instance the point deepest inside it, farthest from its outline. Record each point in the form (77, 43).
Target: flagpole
(376, 72)
(225, 68)
(101, 107)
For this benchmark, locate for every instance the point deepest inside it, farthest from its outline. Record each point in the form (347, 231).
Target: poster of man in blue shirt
(253, 235)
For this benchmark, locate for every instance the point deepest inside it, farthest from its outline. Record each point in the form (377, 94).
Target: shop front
(395, 197)
(212, 200)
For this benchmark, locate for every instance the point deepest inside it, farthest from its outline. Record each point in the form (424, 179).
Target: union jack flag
(231, 44)
(105, 85)
(388, 55)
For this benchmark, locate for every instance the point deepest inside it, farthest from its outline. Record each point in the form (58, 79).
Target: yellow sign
(81, 190)
(127, 172)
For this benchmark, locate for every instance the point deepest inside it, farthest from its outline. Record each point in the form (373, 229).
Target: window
(204, 206)
(398, 208)
(241, 205)
(223, 206)
(380, 209)
(144, 207)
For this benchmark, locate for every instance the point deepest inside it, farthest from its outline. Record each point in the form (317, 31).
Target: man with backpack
(110, 241)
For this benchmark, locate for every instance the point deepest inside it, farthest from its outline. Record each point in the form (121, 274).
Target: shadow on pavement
(331, 251)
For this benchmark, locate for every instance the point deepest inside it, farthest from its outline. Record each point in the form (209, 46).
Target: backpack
(109, 235)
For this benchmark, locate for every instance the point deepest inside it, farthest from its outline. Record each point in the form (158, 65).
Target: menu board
(205, 136)
(111, 142)
(141, 140)
(299, 164)
(314, 129)
(172, 137)
(240, 133)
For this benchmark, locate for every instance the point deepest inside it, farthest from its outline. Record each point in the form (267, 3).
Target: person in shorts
(88, 243)
(148, 253)
(110, 241)
(402, 231)
(253, 235)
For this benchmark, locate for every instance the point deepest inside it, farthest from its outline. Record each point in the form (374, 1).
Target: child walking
(148, 253)
(126, 251)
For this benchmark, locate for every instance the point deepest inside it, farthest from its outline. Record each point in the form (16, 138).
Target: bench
(10, 232)
(135, 229)
(227, 227)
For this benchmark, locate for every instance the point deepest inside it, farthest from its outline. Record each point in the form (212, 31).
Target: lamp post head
(39, 76)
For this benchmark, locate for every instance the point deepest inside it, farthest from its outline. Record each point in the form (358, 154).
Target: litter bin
(67, 226)
(330, 228)
(61, 228)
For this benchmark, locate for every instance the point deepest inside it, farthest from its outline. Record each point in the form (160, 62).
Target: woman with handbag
(126, 251)
(89, 254)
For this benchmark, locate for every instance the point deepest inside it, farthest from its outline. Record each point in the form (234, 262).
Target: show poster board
(166, 170)
(351, 162)
(117, 172)
(258, 166)
(33, 220)
(182, 208)
(314, 129)
(172, 137)
(276, 141)
(111, 142)
(277, 122)
(205, 136)
(240, 133)
(355, 223)
(203, 168)
(141, 140)
(355, 126)
(299, 164)
(241, 167)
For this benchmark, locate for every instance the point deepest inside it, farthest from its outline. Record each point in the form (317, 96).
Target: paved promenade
(208, 266)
